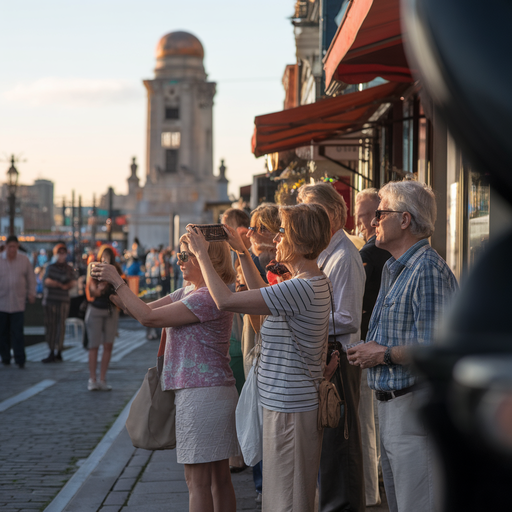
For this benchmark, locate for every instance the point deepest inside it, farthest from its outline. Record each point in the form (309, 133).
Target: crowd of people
(288, 286)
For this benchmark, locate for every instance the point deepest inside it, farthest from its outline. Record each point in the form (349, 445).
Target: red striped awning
(307, 124)
(368, 44)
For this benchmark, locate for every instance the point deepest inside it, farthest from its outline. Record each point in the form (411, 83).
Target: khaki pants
(406, 455)
(292, 445)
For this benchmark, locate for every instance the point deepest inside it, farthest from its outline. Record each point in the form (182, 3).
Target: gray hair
(416, 198)
(325, 195)
(370, 193)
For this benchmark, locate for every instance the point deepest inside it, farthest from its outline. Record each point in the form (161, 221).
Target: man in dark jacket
(367, 201)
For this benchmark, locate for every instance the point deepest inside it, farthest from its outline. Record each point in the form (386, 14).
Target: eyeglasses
(184, 256)
(281, 231)
(62, 252)
(260, 229)
(378, 213)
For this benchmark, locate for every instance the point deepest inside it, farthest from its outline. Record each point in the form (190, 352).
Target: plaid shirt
(415, 291)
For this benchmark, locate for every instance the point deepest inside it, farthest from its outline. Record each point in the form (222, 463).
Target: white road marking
(28, 393)
(127, 342)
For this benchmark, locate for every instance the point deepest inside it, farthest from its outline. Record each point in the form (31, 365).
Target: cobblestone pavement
(45, 437)
(54, 429)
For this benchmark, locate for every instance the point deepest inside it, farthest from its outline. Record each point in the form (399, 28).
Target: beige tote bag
(151, 420)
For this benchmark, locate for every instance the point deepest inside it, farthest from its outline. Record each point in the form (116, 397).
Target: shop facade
(370, 123)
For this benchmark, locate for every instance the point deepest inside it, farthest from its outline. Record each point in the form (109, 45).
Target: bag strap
(163, 340)
(161, 352)
(345, 427)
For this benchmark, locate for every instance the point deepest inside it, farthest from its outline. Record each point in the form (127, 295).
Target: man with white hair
(417, 285)
(341, 464)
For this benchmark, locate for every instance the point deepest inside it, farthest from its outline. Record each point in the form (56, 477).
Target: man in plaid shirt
(417, 286)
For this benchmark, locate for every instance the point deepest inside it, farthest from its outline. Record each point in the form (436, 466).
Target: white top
(343, 265)
(284, 381)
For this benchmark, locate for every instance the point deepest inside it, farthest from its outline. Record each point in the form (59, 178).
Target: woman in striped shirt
(294, 343)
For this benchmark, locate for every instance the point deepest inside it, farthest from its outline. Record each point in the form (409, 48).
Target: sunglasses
(260, 230)
(184, 256)
(378, 213)
(62, 252)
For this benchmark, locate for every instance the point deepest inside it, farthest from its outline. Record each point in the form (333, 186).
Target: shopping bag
(249, 419)
(151, 420)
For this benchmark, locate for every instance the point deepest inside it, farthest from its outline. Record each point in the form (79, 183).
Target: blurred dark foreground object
(461, 51)
(470, 372)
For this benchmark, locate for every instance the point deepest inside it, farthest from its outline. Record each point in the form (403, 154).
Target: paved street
(63, 450)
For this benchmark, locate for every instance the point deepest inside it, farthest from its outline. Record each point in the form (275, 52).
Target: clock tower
(179, 143)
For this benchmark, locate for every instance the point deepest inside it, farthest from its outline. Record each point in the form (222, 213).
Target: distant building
(34, 208)
(180, 184)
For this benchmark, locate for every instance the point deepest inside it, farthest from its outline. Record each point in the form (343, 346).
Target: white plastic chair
(75, 326)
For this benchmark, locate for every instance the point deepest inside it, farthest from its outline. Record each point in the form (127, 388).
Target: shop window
(171, 160)
(478, 195)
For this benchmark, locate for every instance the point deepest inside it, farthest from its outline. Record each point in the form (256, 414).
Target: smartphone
(89, 267)
(212, 232)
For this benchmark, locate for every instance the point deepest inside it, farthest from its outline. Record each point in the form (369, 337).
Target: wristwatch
(387, 357)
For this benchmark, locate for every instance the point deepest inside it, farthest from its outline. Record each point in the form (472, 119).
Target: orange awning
(368, 44)
(300, 126)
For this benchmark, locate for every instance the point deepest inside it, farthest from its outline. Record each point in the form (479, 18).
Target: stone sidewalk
(64, 448)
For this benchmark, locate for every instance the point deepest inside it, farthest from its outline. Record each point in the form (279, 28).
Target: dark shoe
(49, 359)
(237, 469)
(21, 366)
(6, 363)
(58, 357)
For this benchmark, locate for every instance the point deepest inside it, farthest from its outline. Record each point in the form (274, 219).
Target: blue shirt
(415, 290)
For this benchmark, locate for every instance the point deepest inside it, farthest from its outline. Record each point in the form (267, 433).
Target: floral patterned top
(197, 355)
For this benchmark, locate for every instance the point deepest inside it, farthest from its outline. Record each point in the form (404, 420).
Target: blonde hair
(266, 215)
(307, 231)
(220, 257)
(325, 194)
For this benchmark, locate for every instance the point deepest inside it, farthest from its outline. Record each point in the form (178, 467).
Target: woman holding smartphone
(196, 367)
(294, 344)
(101, 321)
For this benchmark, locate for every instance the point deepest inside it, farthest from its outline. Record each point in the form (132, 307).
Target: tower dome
(179, 43)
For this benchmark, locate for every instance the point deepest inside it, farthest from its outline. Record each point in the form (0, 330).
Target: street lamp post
(12, 184)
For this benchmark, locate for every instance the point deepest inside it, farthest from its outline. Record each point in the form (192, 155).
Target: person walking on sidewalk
(196, 367)
(17, 284)
(101, 320)
(294, 344)
(58, 280)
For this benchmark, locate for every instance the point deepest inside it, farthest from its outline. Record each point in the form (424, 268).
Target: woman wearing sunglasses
(196, 367)
(294, 343)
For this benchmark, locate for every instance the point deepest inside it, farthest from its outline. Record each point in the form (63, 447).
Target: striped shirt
(17, 282)
(415, 291)
(284, 380)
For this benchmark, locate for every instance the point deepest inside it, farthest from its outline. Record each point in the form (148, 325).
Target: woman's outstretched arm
(252, 275)
(174, 314)
(250, 301)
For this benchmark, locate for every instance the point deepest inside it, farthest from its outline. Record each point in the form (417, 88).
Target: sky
(72, 102)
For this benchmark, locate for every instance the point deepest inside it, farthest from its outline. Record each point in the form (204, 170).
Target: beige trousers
(369, 440)
(292, 446)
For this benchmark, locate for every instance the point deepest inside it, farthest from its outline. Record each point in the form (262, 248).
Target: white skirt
(205, 424)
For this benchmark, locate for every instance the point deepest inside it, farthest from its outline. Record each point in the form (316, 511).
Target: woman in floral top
(196, 367)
